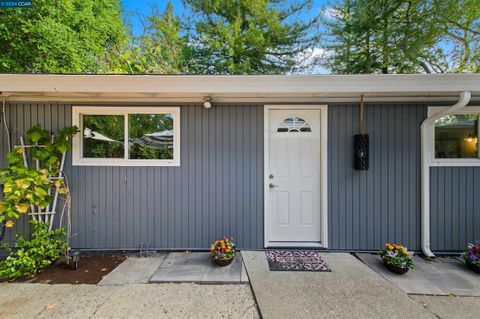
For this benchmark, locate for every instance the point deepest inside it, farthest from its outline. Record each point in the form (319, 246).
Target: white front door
(293, 176)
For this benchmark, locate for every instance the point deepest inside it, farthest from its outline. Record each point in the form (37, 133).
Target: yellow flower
(9, 224)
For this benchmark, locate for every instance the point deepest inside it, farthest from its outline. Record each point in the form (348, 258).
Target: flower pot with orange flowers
(223, 251)
(397, 258)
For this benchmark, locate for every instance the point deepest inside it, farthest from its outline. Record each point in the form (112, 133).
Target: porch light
(207, 103)
(470, 138)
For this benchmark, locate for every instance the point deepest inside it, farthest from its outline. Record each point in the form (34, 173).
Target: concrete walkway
(127, 301)
(351, 290)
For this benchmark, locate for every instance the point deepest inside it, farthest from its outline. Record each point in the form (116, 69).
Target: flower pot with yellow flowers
(397, 258)
(223, 251)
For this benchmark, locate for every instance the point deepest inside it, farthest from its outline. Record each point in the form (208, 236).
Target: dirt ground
(91, 270)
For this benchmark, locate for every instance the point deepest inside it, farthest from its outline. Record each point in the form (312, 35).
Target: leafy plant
(472, 254)
(30, 256)
(397, 255)
(63, 36)
(26, 186)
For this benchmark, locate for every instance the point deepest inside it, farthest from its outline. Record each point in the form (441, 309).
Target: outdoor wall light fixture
(207, 102)
(470, 138)
(361, 144)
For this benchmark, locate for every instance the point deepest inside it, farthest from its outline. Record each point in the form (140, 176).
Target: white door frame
(323, 171)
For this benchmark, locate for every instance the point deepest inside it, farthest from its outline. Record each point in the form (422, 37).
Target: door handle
(272, 185)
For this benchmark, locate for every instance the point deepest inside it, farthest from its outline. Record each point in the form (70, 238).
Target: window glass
(294, 124)
(103, 136)
(150, 136)
(456, 136)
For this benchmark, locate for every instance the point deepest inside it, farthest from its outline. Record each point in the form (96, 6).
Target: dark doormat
(296, 260)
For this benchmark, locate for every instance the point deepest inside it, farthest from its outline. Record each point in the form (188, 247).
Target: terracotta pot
(473, 267)
(395, 269)
(223, 261)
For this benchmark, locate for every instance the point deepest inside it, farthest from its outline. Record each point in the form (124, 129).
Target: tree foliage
(162, 48)
(402, 36)
(461, 30)
(250, 36)
(62, 36)
(243, 37)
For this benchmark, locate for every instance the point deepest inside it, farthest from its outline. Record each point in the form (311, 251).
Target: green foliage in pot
(397, 255)
(25, 186)
(31, 256)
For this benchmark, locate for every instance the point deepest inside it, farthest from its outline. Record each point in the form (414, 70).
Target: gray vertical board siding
(216, 191)
(369, 208)
(455, 207)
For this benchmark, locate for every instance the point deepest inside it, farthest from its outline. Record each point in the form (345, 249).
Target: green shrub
(30, 256)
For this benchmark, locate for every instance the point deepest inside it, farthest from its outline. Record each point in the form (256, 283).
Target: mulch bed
(91, 270)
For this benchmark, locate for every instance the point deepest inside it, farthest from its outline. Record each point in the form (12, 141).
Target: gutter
(425, 166)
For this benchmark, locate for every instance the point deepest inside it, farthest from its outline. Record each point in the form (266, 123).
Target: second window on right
(456, 136)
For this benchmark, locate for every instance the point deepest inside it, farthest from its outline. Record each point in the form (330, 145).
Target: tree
(385, 36)
(250, 36)
(461, 29)
(161, 48)
(63, 36)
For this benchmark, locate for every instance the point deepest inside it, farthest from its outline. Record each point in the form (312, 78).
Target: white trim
(323, 173)
(430, 147)
(77, 160)
(265, 89)
(296, 244)
(318, 84)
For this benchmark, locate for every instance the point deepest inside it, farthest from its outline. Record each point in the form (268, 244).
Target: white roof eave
(237, 88)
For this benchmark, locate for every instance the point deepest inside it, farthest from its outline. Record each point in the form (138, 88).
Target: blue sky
(135, 7)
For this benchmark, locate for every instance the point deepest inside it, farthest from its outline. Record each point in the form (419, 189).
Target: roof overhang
(237, 88)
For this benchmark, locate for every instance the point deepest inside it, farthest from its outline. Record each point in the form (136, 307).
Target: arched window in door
(294, 124)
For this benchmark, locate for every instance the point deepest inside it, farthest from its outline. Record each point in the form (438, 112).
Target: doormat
(296, 260)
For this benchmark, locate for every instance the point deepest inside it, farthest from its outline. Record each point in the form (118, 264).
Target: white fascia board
(242, 85)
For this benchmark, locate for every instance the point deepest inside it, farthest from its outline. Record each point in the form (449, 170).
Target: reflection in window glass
(456, 136)
(150, 136)
(103, 136)
(294, 124)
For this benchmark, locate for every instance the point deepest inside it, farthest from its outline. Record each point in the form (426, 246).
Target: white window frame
(430, 147)
(78, 160)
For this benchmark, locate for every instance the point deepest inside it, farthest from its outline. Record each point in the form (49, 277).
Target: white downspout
(426, 157)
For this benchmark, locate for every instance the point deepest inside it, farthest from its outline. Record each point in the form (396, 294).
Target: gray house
(270, 160)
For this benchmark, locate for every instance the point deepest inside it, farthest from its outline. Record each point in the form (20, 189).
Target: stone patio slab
(441, 276)
(198, 267)
(133, 270)
(351, 290)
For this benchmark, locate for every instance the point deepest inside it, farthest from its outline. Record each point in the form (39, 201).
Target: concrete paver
(351, 290)
(133, 270)
(198, 267)
(441, 276)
